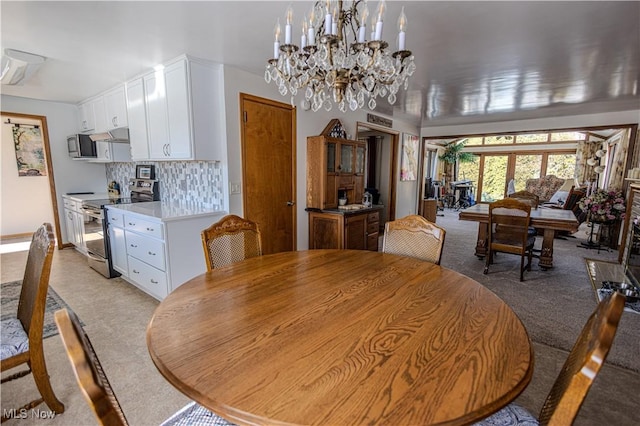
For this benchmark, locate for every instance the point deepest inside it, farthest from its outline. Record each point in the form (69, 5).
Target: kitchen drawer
(346, 182)
(373, 217)
(146, 227)
(69, 204)
(115, 218)
(147, 249)
(151, 279)
(372, 227)
(372, 242)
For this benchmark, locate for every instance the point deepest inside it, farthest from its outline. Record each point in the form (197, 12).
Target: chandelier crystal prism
(335, 62)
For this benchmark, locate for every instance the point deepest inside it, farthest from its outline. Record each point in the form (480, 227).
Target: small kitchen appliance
(96, 233)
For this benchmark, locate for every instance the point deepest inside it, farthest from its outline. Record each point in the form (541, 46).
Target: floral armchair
(544, 187)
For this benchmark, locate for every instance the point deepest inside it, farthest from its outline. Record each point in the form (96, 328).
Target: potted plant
(453, 152)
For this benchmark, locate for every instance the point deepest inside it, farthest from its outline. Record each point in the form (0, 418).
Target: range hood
(120, 135)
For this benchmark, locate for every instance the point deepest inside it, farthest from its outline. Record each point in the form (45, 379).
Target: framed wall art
(409, 159)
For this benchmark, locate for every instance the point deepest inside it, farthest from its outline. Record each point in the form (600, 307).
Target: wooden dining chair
(229, 240)
(576, 376)
(22, 341)
(414, 236)
(526, 197)
(96, 387)
(509, 232)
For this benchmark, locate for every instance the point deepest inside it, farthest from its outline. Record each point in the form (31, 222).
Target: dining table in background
(548, 220)
(340, 337)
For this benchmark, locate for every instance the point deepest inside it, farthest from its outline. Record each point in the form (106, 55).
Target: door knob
(291, 203)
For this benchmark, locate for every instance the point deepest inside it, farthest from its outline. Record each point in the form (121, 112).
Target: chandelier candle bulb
(402, 28)
(362, 31)
(381, 8)
(287, 28)
(276, 43)
(327, 20)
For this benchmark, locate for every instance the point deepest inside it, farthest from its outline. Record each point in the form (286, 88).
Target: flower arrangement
(603, 205)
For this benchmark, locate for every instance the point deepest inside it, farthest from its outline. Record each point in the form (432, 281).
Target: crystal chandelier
(335, 62)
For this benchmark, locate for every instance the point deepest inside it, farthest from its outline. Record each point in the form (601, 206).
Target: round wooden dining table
(340, 337)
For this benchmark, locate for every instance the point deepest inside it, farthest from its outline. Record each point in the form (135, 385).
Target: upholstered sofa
(544, 187)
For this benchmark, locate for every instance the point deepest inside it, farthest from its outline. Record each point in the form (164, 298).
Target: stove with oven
(96, 235)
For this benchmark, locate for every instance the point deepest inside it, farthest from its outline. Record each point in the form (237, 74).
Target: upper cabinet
(87, 115)
(182, 105)
(115, 102)
(104, 112)
(335, 167)
(137, 115)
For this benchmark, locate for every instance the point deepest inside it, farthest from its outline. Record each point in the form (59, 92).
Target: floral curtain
(586, 149)
(616, 164)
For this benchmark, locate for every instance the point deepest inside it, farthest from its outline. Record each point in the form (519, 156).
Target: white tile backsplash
(181, 181)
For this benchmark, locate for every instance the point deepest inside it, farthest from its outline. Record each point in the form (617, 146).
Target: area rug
(10, 295)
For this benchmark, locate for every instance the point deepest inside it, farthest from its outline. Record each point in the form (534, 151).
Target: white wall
(26, 199)
(70, 175)
(308, 124)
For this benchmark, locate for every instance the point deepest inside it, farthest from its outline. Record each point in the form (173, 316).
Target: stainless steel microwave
(81, 146)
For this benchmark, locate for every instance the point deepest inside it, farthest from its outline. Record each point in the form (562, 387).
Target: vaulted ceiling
(476, 61)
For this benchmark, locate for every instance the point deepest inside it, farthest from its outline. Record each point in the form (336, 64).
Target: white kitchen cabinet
(118, 244)
(184, 112)
(74, 221)
(137, 117)
(115, 102)
(108, 152)
(154, 252)
(87, 116)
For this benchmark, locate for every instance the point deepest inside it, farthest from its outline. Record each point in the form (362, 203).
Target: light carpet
(553, 304)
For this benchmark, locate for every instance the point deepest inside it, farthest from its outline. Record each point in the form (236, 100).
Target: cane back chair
(509, 232)
(96, 387)
(576, 376)
(414, 236)
(22, 341)
(229, 240)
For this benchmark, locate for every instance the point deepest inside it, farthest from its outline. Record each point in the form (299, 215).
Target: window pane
(562, 165)
(498, 140)
(527, 167)
(470, 171)
(532, 137)
(567, 136)
(474, 141)
(494, 177)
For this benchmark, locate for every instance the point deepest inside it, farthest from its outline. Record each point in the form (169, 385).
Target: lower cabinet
(154, 255)
(74, 222)
(337, 230)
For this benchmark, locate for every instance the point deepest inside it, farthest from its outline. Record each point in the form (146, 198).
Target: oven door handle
(96, 258)
(92, 213)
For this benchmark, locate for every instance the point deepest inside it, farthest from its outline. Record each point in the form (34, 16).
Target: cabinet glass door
(331, 157)
(360, 156)
(346, 158)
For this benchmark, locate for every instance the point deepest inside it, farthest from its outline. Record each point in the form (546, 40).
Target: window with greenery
(527, 166)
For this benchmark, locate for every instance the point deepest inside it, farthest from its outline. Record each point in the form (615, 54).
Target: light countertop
(83, 197)
(166, 211)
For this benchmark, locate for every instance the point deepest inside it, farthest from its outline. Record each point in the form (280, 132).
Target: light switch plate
(234, 187)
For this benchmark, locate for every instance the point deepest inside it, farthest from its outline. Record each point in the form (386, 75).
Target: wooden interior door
(268, 170)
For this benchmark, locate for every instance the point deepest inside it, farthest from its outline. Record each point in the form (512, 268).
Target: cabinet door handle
(135, 272)
(151, 253)
(114, 121)
(291, 203)
(153, 281)
(132, 224)
(133, 245)
(150, 229)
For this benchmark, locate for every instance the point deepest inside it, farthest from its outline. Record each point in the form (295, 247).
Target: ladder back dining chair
(509, 232)
(22, 341)
(576, 376)
(230, 240)
(96, 387)
(414, 236)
